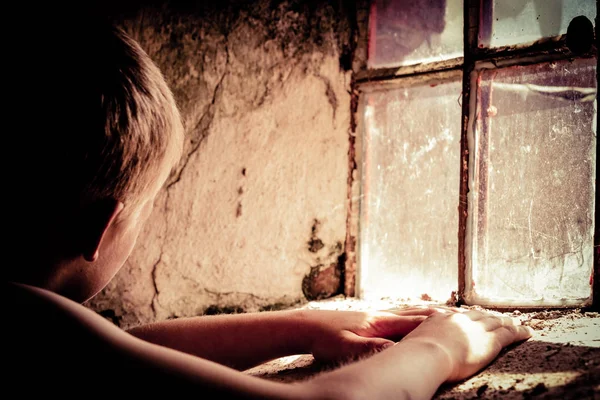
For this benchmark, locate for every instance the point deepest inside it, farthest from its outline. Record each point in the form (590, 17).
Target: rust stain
(322, 282)
(349, 267)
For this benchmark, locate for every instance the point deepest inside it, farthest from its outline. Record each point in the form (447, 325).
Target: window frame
(474, 57)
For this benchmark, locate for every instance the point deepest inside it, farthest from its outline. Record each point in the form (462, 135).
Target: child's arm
(244, 340)
(67, 346)
(446, 347)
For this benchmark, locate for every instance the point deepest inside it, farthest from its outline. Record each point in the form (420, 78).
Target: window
(477, 152)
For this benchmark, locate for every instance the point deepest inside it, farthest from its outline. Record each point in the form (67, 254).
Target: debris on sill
(560, 361)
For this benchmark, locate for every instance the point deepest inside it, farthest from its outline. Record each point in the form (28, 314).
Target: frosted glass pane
(412, 32)
(410, 183)
(533, 205)
(512, 22)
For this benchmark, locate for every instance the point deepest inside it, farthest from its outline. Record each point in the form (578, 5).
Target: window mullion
(471, 28)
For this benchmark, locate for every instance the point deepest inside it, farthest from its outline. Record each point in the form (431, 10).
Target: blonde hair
(110, 125)
(142, 126)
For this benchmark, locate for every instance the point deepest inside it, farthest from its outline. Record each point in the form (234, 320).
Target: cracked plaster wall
(263, 88)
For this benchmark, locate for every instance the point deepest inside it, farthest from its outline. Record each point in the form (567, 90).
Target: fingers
(410, 311)
(508, 330)
(508, 334)
(422, 310)
(394, 326)
(396, 323)
(476, 315)
(491, 322)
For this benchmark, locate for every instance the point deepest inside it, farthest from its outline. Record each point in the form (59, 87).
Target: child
(100, 140)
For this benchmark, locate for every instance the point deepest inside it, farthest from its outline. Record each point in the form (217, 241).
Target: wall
(255, 215)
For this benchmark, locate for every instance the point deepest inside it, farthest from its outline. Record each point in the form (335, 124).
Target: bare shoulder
(56, 346)
(41, 310)
(49, 338)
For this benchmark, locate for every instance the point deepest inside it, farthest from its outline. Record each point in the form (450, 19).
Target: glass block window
(477, 153)
(410, 187)
(534, 170)
(513, 22)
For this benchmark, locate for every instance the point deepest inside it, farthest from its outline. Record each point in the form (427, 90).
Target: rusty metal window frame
(548, 49)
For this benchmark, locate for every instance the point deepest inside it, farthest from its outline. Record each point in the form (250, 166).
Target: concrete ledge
(561, 360)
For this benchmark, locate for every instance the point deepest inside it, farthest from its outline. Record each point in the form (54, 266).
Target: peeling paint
(315, 244)
(322, 282)
(326, 280)
(279, 306)
(215, 309)
(111, 315)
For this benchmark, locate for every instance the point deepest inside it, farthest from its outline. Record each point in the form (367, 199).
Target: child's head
(127, 128)
(102, 132)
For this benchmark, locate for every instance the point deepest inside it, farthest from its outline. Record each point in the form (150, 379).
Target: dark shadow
(520, 360)
(398, 28)
(581, 388)
(535, 357)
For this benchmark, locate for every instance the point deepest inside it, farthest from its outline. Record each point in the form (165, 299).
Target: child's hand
(471, 339)
(342, 335)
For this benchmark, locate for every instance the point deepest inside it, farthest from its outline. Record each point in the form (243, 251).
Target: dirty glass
(409, 192)
(523, 21)
(412, 32)
(532, 200)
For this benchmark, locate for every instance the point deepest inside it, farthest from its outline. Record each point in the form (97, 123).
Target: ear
(98, 217)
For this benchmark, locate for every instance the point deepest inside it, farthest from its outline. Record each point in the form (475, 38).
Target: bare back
(56, 346)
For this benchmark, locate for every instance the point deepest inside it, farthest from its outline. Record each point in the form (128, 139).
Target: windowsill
(561, 360)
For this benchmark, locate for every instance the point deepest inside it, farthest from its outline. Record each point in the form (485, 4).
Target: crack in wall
(329, 93)
(156, 292)
(203, 127)
(204, 124)
(155, 302)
